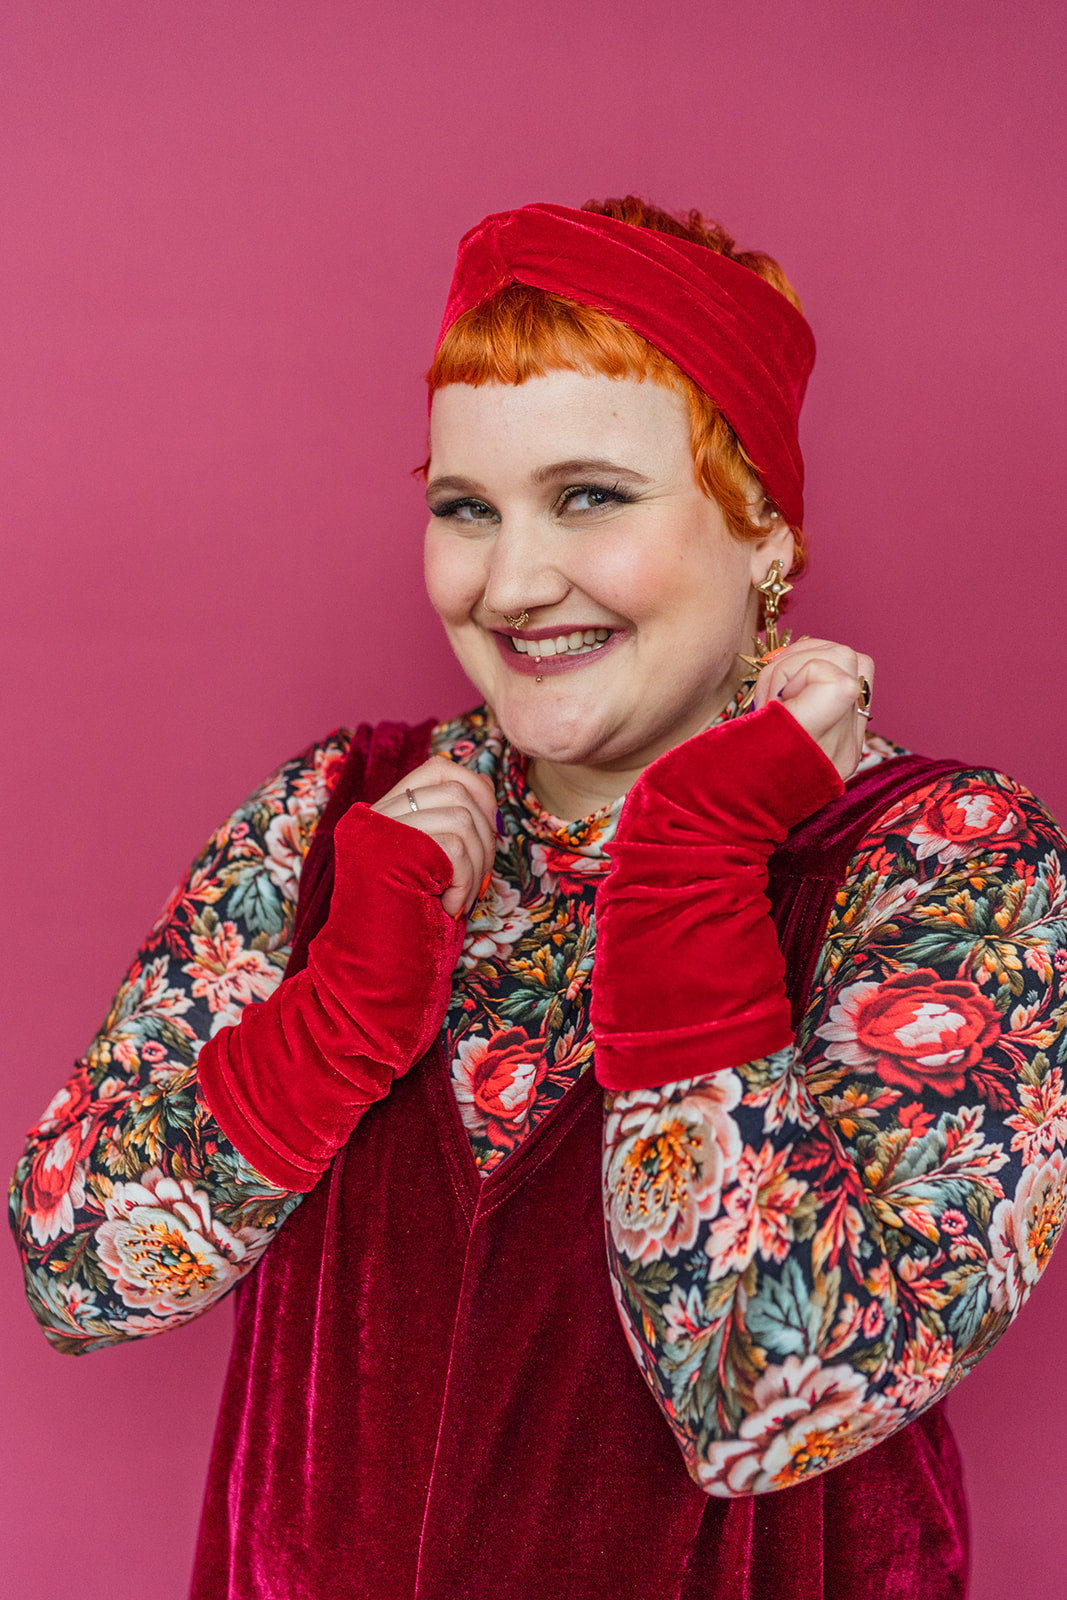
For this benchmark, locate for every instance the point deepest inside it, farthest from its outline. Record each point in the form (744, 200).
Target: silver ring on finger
(411, 800)
(863, 699)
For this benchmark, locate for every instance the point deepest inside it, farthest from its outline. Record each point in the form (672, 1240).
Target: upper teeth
(564, 644)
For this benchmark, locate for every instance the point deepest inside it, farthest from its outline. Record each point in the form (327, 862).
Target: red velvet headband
(735, 335)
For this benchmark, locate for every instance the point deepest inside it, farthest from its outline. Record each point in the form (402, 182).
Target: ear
(775, 545)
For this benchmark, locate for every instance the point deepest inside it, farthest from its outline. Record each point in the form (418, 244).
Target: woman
(825, 1004)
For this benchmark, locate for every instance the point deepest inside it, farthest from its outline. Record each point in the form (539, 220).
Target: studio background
(226, 236)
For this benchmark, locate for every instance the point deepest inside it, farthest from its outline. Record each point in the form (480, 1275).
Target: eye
(586, 497)
(465, 510)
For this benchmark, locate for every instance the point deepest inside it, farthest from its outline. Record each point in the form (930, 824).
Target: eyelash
(613, 494)
(450, 507)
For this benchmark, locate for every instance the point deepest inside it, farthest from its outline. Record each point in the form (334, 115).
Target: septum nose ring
(516, 622)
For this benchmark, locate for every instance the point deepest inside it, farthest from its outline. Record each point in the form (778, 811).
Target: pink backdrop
(226, 237)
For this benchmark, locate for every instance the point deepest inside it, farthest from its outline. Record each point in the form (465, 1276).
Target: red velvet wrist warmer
(688, 977)
(288, 1084)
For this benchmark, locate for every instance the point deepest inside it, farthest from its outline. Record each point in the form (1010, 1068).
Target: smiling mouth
(564, 644)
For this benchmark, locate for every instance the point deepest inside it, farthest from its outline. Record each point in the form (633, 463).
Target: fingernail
(486, 881)
(460, 914)
(499, 821)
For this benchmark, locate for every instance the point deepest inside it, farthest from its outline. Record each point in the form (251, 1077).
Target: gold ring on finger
(863, 699)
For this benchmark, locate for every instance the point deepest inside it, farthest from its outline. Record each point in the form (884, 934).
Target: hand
(457, 809)
(818, 682)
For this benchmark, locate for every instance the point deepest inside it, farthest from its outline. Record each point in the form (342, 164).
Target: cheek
(651, 578)
(454, 577)
(637, 578)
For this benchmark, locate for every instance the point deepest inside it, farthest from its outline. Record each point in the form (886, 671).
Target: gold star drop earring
(774, 588)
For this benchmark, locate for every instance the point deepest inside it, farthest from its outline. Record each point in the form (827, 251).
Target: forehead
(561, 416)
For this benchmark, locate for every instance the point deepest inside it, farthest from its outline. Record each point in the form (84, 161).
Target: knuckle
(452, 843)
(458, 820)
(437, 770)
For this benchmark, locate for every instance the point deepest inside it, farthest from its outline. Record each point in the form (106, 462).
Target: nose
(523, 574)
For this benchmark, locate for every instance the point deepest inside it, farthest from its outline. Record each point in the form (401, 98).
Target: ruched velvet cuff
(289, 1083)
(688, 976)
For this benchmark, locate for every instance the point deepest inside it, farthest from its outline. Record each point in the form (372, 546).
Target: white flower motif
(685, 1318)
(79, 1299)
(806, 1418)
(667, 1158)
(1023, 1230)
(164, 1250)
(285, 842)
(497, 922)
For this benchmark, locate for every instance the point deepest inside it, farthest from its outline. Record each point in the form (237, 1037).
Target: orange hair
(526, 333)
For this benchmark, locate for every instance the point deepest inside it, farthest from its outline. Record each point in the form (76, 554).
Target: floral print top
(807, 1250)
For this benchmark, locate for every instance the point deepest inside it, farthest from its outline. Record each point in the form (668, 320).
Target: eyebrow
(576, 468)
(551, 473)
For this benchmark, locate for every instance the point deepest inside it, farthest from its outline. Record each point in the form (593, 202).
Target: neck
(571, 791)
(574, 792)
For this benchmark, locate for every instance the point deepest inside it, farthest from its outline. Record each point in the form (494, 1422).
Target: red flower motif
(67, 1105)
(873, 1320)
(925, 1031)
(569, 871)
(52, 1172)
(55, 1184)
(956, 824)
(496, 1082)
(982, 812)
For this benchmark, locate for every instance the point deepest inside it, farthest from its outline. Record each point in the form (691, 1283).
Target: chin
(550, 733)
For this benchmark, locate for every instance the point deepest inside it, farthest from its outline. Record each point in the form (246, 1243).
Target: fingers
(457, 809)
(821, 684)
(813, 660)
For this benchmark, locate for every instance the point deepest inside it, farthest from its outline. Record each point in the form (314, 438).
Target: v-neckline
(476, 1192)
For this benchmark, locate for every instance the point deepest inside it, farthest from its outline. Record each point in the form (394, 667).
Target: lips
(537, 653)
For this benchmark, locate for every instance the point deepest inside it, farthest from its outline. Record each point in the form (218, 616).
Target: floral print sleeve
(132, 1210)
(809, 1250)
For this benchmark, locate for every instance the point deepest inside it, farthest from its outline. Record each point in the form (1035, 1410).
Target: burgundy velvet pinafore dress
(430, 1396)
